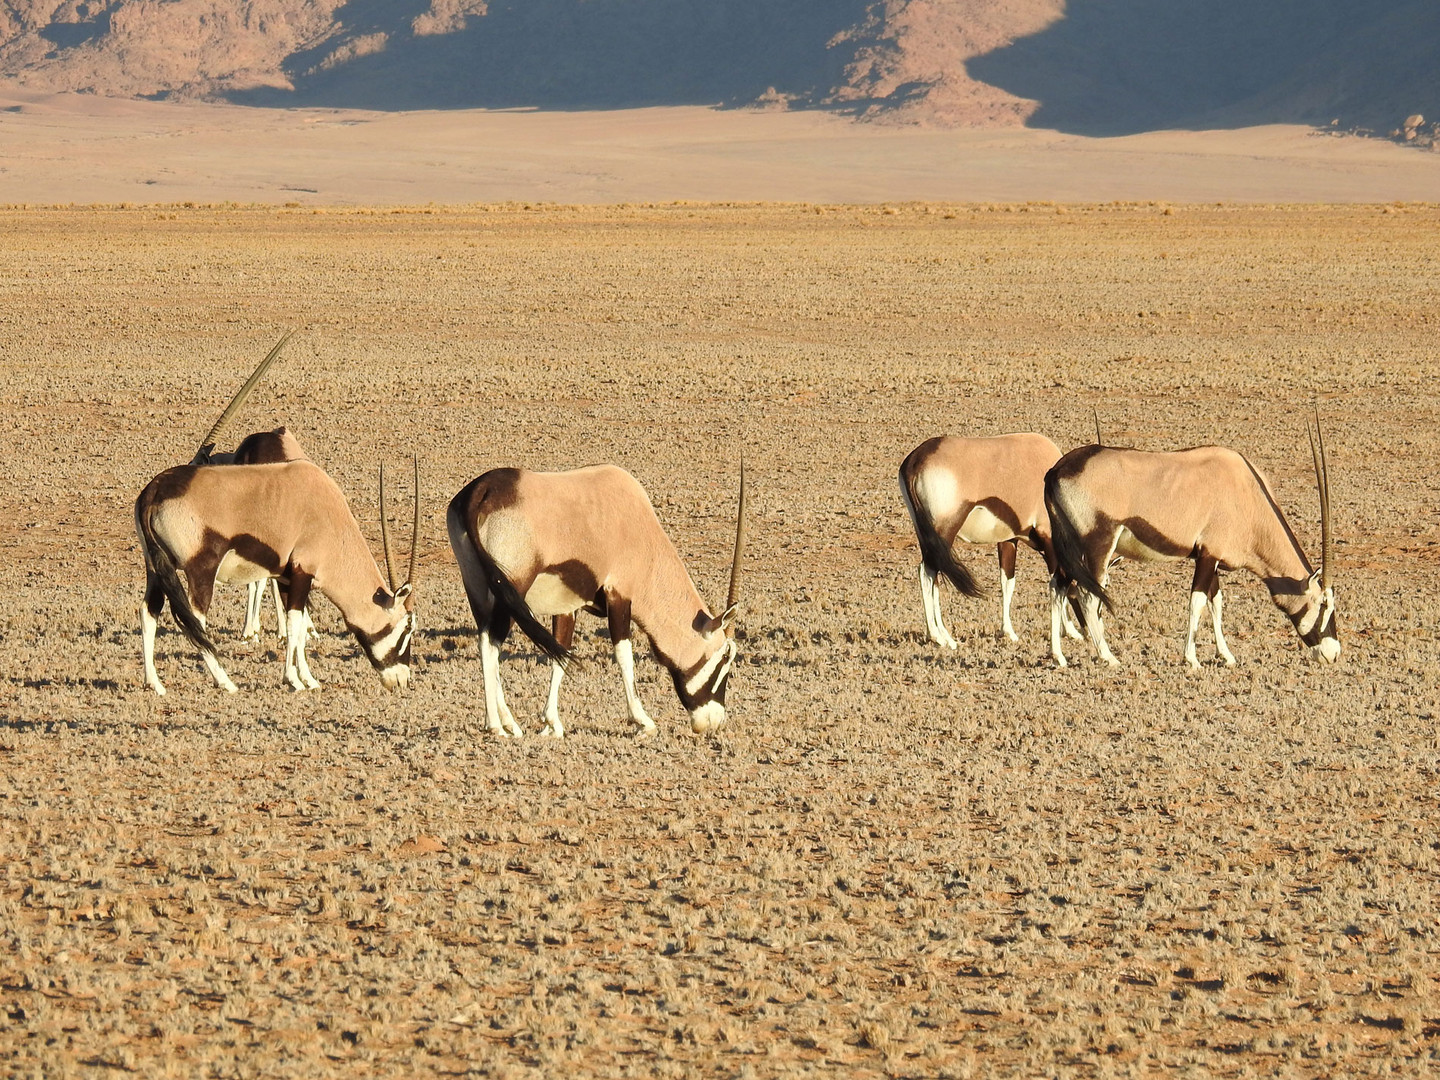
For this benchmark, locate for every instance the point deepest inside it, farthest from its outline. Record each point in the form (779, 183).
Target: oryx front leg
(1007, 551)
(625, 658)
(1206, 589)
(297, 669)
(930, 597)
(618, 611)
(564, 632)
(498, 717)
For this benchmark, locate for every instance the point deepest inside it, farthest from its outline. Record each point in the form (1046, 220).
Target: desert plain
(895, 860)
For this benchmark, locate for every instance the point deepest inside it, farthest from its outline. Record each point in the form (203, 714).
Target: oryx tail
(164, 571)
(934, 551)
(494, 600)
(1069, 550)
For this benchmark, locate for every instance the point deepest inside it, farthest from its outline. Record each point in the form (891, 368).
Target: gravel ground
(895, 860)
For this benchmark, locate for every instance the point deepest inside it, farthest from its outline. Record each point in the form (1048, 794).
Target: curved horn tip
(243, 393)
(415, 528)
(735, 561)
(385, 534)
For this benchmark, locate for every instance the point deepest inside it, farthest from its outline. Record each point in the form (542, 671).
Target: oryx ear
(403, 592)
(722, 622)
(726, 621)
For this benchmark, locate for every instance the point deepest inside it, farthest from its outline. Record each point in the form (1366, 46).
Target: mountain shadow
(1117, 67)
(569, 54)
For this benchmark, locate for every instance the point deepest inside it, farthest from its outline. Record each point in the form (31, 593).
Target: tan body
(246, 523)
(980, 491)
(587, 538)
(1208, 504)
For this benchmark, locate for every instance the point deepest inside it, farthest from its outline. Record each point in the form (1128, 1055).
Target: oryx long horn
(208, 443)
(1322, 482)
(415, 530)
(385, 533)
(1098, 440)
(739, 542)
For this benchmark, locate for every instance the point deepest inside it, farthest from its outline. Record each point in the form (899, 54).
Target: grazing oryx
(252, 522)
(535, 543)
(982, 491)
(1208, 504)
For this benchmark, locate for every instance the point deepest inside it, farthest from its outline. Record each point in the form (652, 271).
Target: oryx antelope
(982, 491)
(1208, 504)
(245, 523)
(550, 543)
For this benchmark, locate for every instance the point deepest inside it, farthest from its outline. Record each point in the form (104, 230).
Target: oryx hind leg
(282, 622)
(563, 628)
(930, 597)
(1059, 597)
(498, 717)
(1068, 610)
(150, 609)
(1216, 606)
(254, 600)
(200, 577)
(1090, 604)
(212, 665)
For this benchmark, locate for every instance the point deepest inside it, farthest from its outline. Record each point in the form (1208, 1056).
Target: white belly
(234, 570)
(983, 527)
(1129, 546)
(550, 596)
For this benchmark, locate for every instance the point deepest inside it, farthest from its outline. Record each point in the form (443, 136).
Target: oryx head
(1316, 623)
(702, 689)
(389, 652)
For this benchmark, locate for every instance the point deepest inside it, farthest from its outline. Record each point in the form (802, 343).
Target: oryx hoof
(1012, 635)
(551, 731)
(646, 732)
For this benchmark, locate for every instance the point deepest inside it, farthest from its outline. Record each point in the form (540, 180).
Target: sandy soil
(895, 861)
(70, 148)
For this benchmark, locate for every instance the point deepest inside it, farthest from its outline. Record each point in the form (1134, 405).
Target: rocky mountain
(1095, 66)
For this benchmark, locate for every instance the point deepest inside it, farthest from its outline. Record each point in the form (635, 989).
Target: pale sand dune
(70, 148)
